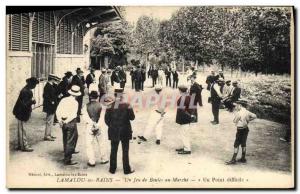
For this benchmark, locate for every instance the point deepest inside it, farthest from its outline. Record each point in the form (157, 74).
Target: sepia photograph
(150, 97)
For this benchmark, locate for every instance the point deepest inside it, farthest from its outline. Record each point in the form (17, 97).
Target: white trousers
(155, 122)
(185, 136)
(96, 143)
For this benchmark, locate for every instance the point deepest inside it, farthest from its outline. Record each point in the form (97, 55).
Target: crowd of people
(63, 104)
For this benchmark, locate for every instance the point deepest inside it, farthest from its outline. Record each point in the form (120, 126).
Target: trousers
(155, 122)
(22, 137)
(70, 137)
(49, 124)
(215, 109)
(125, 155)
(185, 136)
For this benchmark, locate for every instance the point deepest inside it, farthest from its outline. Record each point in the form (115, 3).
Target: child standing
(241, 119)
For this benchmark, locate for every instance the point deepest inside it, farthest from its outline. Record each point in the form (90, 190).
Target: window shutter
(25, 32)
(16, 32)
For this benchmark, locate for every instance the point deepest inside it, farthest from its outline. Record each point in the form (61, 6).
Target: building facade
(42, 42)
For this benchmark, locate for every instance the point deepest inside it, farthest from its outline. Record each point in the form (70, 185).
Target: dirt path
(211, 147)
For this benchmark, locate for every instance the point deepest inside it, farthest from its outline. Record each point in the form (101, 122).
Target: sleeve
(85, 116)
(131, 115)
(237, 117)
(217, 89)
(252, 116)
(59, 110)
(26, 98)
(107, 116)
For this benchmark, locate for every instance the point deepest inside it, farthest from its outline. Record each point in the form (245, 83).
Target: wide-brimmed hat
(93, 95)
(108, 100)
(234, 82)
(75, 90)
(53, 77)
(119, 90)
(103, 70)
(228, 81)
(69, 74)
(183, 87)
(32, 81)
(158, 87)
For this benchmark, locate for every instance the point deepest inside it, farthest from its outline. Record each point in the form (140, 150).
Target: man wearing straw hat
(118, 118)
(50, 102)
(22, 111)
(66, 114)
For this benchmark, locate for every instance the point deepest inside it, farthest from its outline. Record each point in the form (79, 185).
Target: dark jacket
(89, 79)
(236, 94)
(209, 80)
(167, 73)
(64, 86)
(132, 74)
(115, 76)
(50, 99)
(79, 82)
(138, 75)
(183, 115)
(22, 109)
(118, 122)
(175, 75)
(122, 75)
(196, 89)
(154, 73)
(143, 72)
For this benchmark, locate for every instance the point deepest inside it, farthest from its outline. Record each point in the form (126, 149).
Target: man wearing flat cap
(78, 81)
(65, 84)
(67, 116)
(50, 102)
(22, 111)
(234, 96)
(118, 118)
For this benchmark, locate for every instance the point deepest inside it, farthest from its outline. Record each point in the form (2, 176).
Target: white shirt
(67, 109)
(217, 89)
(243, 117)
(93, 87)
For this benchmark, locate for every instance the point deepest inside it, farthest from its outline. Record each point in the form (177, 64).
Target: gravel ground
(211, 146)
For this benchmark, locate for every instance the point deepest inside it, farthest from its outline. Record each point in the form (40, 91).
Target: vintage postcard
(150, 97)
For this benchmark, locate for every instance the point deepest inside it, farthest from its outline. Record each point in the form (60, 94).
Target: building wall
(64, 63)
(18, 69)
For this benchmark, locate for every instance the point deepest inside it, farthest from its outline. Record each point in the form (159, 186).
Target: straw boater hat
(103, 70)
(75, 90)
(119, 90)
(108, 100)
(158, 87)
(182, 87)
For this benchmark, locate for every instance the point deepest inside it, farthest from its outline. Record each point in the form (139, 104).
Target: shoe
(70, 163)
(242, 160)
(112, 171)
(78, 119)
(158, 142)
(75, 152)
(18, 148)
(53, 137)
(179, 150)
(130, 172)
(48, 139)
(214, 122)
(91, 165)
(105, 162)
(27, 150)
(231, 162)
(184, 152)
(142, 138)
